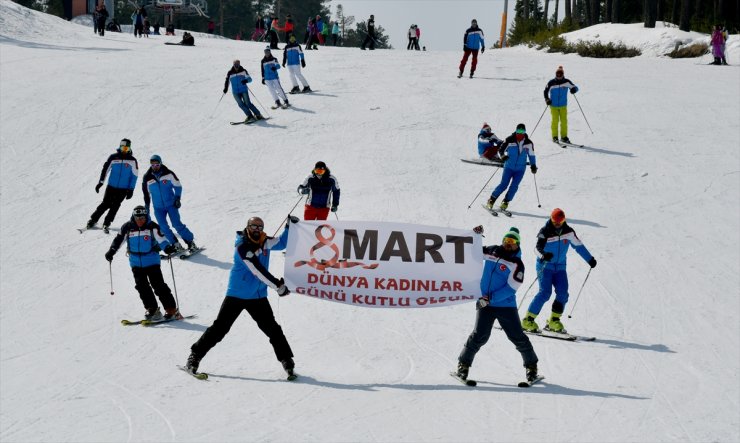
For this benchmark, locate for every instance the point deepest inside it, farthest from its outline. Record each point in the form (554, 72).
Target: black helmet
(140, 211)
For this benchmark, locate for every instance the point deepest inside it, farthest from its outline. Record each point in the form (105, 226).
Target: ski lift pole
(583, 113)
(484, 187)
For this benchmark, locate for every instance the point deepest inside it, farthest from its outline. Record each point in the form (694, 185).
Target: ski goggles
(521, 131)
(256, 227)
(510, 241)
(319, 171)
(140, 213)
(125, 148)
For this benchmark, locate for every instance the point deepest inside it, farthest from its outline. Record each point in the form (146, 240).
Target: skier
(124, 170)
(272, 34)
(472, 41)
(370, 37)
(556, 97)
(553, 241)
(163, 188)
(293, 55)
(247, 290)
(513, 152)
(143, 243)
(718, 46)
(270, 77)
(102, 18)
(488, 143)
(503, 273)
(323, 193)
(239, 77)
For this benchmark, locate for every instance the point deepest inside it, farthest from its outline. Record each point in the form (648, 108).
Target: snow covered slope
(654, 197)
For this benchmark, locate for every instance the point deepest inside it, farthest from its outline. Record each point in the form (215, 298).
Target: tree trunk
(587, 10)
(685, 23)
(721, 11)
(649, 12)
(595, 11)
(547, 19)
(568, 13)
(557, 6)
(659, 14)
(675, 12)
(608, 11)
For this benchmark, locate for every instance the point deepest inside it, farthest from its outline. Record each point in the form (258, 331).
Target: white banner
(383, 265)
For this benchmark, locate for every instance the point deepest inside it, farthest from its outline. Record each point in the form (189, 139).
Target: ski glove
(478, 229)
(574, 89)
(97, 188)
(303, 190)
(129, 194)
(548, 101)
(282, 290)
(109, 254)
(533, 168)
(177, 203)
(547, 256)
(482, 49)
(293, 219)
(504, 158)
(225, 90)
(170, 249)
(263, 81)
(274, 68)
(592, 262)
(483, 302)
(244, 82)
(334, 208)
(303, 63)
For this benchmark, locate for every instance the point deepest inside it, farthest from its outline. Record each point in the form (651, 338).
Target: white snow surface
(654, 197)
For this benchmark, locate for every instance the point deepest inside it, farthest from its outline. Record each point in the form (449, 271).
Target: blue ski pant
(510, 175)
(242, 99)
(508, 318)
(161, 215)
(548, 279)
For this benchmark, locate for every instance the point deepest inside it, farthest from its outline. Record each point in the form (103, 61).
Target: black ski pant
(112, 200)
(260, 311)
(369, 40)
(508, 318)
(150, 278)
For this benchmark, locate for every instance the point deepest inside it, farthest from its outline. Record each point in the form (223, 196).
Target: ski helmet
(557, 215)
(125, 145)
(521, 129)
(155, 159)
(267, 50)
(140, 211)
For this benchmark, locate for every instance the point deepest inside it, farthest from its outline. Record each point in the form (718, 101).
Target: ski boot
(250, 119)
(565, 139)
(295, 90)
(288, 365)
(471, 74)
(531, 372)
(555, 139)
(528, 323)
(460, 74)
(286, 105)
(462, 370)
(490, 202)
(193, 362)
(191, 246)
(153, 314)
(554, 324)
(504, 205)
(106, 227)
(259, 117)
(306, 89)
(172, 314)
(90, 224)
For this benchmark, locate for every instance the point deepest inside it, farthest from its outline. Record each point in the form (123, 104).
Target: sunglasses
(319, 171)
(256, 227)
(510, 241)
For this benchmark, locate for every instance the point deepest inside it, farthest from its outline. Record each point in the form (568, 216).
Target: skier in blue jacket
(143, 243)
(553, 242)
(503, 273)
(488, 143)
(122, 171)
(162, 187)
(238, 77)
(514, 152)
(270, 78)
(556, 97)
(472, 42)
(247, 290)
(294, 57)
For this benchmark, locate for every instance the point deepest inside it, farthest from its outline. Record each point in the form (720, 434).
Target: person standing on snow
(514, 152)
(122, 170)
(238, 77)
(293, 55)
(472, 41)
(143, 243)
(270, 77)
(370, 37)
(553, 241)
(163, 188)
(488, 143)
(503, 273)
(556, 96)
(322, 189)
(247, 290)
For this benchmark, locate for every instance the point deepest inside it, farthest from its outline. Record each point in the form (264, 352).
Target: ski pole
(579, 293)
(534, 176)
(286, 217)
(484, 187)
(584, 114)
(110, 273)
(219, 102)
(538, 121)
(337, 217)
(539, 274)
(260, 103)
(174, 285)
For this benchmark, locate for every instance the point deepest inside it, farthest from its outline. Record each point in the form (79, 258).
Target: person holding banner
(247, 290)
(322, 189)
(503, 273)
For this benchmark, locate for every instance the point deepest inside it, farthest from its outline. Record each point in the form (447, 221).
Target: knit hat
(513, 233)
(320, 165)
(155, 158)
(557, 215)
(560, 69)
(486, 127)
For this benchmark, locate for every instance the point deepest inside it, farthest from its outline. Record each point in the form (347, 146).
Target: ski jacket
(122, 170)
(503, 273)
(142, 243)
(371, 27)
(161, 187)
(288, 25)
(557, 89)
(292, 54)
(270, 66)
(235, 77)
(335, 29)
(486, 140)
(418, 32)
(473, 38)
(259, 24)
(557, 241)
(412, 32)
(250, 275)
(323, 192)
(517, 152)
(320, 25)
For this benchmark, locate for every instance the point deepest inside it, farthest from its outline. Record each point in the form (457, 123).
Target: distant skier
(162, 187)
(270, 77)
(248, 282)
(718, 46)
(472, 41)
(294, 57)
(514, 152)
(553, 241)
(102, 18)
(556, 96)
(503, 273)
(323, 192)
(123, 171)
(143, 243)
(238, 77)
(370, 34)
(488, 143)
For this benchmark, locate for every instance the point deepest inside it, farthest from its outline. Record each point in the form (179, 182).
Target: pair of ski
(301, 92)
(557, 335)
(145, 322)
(94, 228)
(564, 145)
(185, 253)
(496, 211)
(472, 383)
(245, 122)
(204, 376)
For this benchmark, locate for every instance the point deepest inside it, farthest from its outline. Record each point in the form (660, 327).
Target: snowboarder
(503, 273)
(553, 241)
(143, 243)
(488, 143)
(556, 97)
(514, 152)
(472, 41)
(247, 290)
(162, 187)
(270, 77)
(293, 55)
(124, 170)
(370, 37)
(323, 193)
(239, 77)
